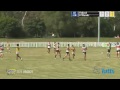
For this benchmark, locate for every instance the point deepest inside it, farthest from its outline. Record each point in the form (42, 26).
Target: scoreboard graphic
(93, 13)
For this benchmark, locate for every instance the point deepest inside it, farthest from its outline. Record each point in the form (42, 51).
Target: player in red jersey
(118, 49)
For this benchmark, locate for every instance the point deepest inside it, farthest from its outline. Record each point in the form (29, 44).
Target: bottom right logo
(98, 70)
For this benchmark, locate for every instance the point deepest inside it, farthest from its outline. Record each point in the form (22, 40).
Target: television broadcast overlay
(59, 44)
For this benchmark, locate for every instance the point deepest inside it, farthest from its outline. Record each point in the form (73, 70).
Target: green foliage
(35, 27)
(9, 27)
(43, 23)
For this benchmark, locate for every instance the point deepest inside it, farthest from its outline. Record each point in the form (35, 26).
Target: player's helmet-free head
(83, 44)
(17, 44)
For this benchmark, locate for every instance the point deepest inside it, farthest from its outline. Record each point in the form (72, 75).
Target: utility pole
(99, 29)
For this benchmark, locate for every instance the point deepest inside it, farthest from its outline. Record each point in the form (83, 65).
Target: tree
(35, 27)
(9, 27)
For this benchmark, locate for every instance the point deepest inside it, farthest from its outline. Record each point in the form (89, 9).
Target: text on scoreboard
(93, 13)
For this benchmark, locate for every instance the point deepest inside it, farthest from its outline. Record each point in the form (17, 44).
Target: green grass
(44, 65)
(60, 39)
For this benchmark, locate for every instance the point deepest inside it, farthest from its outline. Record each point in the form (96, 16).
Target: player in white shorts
(118, 49)
(67, 52)
(57, 50)
(49, 47)
(84, 49)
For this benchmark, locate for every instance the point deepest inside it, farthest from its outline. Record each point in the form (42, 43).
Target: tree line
(15, 24)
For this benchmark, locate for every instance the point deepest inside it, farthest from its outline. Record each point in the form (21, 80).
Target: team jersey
(8, 45)
(1, 49)
(117, 47)
(54, 46)
(57, 47)
(67, 49)
(49, 45)
(84, 49)
(17, 49)
(73, 49)
(108, 46)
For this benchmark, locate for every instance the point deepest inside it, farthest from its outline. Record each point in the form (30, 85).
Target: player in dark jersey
(108, 49)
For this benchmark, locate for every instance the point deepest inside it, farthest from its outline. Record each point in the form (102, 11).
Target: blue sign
(74, 14)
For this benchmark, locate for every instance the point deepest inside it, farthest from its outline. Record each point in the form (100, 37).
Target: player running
(54, 46)
(48, 46)
(8, 47)
(17, 52)
(57, 50)
(118, 49)
(84, 49)
(67, 52)
(73, 51)
(108, 49)
(1, 51)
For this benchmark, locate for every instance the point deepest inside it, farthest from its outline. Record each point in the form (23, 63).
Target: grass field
(44, 65)
(60, 39)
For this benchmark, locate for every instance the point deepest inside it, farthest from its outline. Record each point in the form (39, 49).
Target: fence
(62, 44)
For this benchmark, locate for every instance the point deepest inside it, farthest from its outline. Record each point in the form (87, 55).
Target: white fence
(62, 44)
